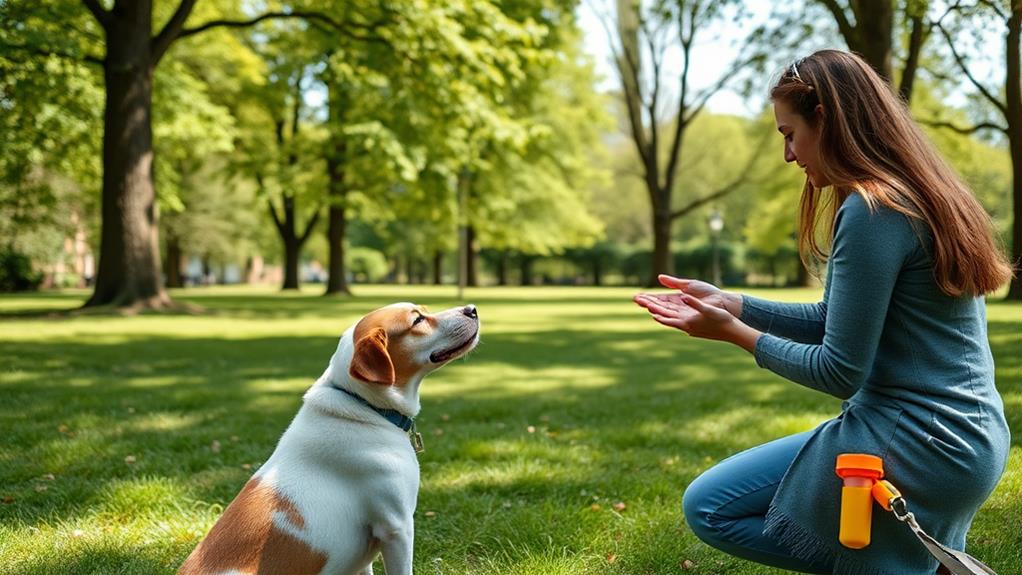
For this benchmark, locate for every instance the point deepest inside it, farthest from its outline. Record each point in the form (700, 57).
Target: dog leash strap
(957, 562)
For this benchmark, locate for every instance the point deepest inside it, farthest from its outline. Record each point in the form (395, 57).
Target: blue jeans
(726, 506)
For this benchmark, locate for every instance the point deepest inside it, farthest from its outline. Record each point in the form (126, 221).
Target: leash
(405, 423)
(957, 562)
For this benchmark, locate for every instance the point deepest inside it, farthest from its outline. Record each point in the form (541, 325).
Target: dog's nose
(470, 311)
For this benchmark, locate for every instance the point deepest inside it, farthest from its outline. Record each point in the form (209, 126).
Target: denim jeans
(726, 506)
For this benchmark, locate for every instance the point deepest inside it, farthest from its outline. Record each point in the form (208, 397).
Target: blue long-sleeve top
(915, 366)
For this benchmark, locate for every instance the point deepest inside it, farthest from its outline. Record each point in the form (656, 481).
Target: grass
(123, 438)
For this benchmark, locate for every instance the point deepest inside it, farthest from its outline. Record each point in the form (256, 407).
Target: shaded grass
(124, 437)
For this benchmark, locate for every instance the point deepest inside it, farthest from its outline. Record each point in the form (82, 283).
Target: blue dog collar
(396, 417)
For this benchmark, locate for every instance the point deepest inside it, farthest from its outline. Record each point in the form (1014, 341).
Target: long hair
(870, 145)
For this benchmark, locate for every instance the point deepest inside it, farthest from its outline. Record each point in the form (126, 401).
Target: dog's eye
(418, 319)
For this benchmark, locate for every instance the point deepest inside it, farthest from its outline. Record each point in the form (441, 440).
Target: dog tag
(416, 438)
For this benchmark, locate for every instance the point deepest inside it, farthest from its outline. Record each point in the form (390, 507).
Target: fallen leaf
(687, 564)
(595, 507)
(431, 514)
(611, 558)
(246, 466)
(530, 429)
(129, 459)
(7, 500)
(619, 506)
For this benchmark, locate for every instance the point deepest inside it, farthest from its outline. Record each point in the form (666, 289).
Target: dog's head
(401, 343)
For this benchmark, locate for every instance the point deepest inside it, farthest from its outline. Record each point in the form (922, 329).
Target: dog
(341, 486)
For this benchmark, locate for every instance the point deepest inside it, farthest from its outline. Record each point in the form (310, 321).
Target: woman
(900, 335)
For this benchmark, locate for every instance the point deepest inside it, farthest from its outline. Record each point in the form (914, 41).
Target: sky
(708, 55)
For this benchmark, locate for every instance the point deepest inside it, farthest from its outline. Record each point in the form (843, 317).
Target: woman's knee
(698, 504)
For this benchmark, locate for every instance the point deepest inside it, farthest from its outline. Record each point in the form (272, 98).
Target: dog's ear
(371, 362)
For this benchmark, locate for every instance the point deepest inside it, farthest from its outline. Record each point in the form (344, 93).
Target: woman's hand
(689, 314)
(705, 316)
(705, 292)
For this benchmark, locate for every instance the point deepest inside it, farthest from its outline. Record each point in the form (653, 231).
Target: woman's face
(801, 142)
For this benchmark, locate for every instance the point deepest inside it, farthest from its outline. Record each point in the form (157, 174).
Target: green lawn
(123, 438)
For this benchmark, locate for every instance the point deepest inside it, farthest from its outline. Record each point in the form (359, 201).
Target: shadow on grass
(79, 409)
(94, 561)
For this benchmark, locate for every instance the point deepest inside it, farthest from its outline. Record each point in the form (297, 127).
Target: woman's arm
(869, 251)
(795, 321)
(801, 322)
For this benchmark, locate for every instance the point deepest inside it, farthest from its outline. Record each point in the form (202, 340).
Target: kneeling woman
(900, 335)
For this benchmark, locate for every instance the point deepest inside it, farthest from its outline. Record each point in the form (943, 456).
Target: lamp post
(716, 222)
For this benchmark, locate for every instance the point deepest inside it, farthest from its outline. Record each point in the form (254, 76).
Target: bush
(16, 273)
(366, 265)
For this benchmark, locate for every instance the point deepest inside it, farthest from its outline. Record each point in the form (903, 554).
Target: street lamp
(716, 222)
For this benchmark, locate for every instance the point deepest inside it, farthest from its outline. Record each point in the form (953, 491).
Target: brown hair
(870, 145)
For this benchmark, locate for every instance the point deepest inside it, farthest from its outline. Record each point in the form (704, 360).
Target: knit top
(915, 368)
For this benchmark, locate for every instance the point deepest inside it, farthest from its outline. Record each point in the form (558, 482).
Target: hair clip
(794, 70)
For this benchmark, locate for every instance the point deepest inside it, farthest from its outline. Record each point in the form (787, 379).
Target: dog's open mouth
(445, 355)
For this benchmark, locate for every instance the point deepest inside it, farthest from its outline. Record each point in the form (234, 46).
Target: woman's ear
(371, 362)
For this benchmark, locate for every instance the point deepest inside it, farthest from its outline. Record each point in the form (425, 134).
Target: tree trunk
(663, 263)
(292, 250)
(129, 258)
(527, 270)
(337, 281)
(875, 23)
(1013, 114)
(915, 45)
(502, 268)
(438, 267)
(597, 271)
(172, 267)
(869, 32)
(473, 258)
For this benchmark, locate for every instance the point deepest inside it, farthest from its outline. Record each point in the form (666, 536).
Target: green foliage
(366, 264)
(50, 112)
(16, 273)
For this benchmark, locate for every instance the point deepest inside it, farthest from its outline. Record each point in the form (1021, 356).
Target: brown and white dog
(341, 486)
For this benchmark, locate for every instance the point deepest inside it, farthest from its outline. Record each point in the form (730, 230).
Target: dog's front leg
(396, 548)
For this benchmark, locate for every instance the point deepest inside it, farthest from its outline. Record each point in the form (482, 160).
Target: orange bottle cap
(859, 465)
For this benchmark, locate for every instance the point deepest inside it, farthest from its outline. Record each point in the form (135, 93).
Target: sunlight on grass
(562, 445)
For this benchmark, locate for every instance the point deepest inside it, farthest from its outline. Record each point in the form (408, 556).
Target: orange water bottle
(859, 472)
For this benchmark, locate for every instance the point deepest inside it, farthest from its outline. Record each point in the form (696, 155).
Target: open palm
(703, 291)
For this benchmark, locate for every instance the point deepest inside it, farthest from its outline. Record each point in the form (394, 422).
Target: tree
(129, 269)
(641, 49)
(868, 28)
(49, 153)
(961, 27)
